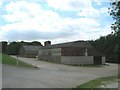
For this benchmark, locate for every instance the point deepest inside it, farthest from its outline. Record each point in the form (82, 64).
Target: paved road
(52, 75)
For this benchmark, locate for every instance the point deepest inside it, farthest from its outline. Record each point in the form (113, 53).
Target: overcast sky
(55, 20)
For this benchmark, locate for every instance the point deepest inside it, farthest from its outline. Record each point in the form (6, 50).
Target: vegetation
(115, 13)
(92, 66)
(98, 82)
(6, 59)
(14, 47)
(110, 44)
(0, 58)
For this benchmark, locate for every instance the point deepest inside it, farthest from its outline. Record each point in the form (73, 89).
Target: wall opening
(97, 60)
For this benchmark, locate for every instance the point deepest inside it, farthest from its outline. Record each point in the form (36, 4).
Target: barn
(72, 53)
(29, 51)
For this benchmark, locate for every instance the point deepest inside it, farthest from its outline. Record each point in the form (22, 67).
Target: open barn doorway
(97, 60)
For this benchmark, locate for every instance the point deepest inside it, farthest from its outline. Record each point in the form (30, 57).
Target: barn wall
(56, 52)
(72, 51)
(30, 54)
(52, 52)
(22, 52)
(56, 59)
(66, 56)
(77, 60)
(52, 55)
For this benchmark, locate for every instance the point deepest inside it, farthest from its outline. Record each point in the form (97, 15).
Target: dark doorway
(97, 60)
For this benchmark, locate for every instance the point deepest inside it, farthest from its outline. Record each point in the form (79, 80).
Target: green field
(6, 59)
(97, 82)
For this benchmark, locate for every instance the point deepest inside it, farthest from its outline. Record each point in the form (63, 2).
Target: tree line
(13, 48)
(110, 44)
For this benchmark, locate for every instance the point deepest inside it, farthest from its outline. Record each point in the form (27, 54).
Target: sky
(55, 20)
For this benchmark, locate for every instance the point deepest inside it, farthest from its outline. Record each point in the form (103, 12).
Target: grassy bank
(0, 58)
(98, 82)
(6, 59)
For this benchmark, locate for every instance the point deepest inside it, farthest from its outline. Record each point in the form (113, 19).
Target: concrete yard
(51, 75)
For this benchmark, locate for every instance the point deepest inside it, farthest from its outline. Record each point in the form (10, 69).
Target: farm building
(78, 52)
(29, 51)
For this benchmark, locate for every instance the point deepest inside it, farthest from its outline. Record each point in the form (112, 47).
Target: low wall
(77, 60)
(71, 60)
(56, 59)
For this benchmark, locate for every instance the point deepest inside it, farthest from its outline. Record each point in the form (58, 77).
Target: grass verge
(0, 58)
(6, 59)
(89, 66)
(98, 82)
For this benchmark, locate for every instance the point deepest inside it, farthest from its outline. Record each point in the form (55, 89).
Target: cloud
(104, 10)
(1, 2)
(35, 35)
(89, 12)
(21, 10)
(84, 8)
(69, 4)
(29, 21)
(101, 31)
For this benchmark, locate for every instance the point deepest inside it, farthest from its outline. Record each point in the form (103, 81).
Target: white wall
(77, 59)
(103, 60)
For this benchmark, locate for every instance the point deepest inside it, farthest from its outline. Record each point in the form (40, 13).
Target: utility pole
(86, 52)
(17, 60)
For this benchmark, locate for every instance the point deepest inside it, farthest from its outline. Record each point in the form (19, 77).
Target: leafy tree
(107, 45)
(36, 43)
(13, 48)
(115, 13)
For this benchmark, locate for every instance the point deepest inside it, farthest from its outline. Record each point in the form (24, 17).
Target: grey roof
(31, 48)
(81, 44)
(70, 44)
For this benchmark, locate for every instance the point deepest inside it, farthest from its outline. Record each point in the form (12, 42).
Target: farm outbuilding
(29, 51)
(77, 52)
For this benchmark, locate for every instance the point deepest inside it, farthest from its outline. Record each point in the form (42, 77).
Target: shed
(29, 51)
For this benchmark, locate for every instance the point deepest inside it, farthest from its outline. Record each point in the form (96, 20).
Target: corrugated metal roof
(31, 48)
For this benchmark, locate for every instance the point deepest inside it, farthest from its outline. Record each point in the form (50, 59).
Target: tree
(4, 46)
(115, 13)
(13, 48)
(36, 43)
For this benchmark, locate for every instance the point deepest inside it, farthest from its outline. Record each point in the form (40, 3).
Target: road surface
(51, 75)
